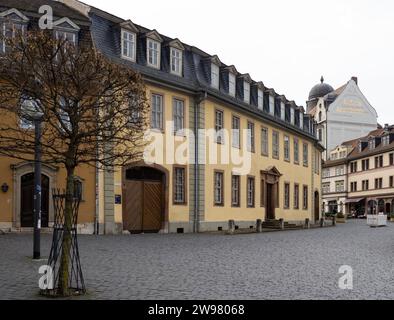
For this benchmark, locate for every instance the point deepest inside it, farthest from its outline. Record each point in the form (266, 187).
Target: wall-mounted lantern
(5, 188)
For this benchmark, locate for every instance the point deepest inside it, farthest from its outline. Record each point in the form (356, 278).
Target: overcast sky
(287, 44)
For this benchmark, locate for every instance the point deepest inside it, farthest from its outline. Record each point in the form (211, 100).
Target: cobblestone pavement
(280, 265)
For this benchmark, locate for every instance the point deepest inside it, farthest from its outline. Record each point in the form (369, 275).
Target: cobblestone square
(278, 265)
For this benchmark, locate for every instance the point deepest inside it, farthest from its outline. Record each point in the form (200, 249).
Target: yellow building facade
(221, 146)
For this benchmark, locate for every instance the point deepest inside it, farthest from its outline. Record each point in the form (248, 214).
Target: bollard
(334, 221)
(282, 224)
(322, 223)
(259, 226)
(307, 224)
(231, 226)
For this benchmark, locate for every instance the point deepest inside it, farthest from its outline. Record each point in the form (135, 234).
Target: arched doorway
(317, 206)
(144, 204)
(27, 201)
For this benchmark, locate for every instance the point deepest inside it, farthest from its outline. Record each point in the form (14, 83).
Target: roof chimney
(355, 79)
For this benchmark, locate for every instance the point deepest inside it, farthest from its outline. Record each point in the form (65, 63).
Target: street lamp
(32, 112)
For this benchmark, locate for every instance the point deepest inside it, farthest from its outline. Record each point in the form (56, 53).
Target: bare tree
(94, 111)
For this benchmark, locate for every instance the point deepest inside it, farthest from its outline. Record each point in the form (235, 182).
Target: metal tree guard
(76, 280)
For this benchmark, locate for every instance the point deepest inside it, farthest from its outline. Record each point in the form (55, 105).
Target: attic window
(260, 99)
(12, 24)
(128, 45)
(153, 53)
(372, 144)
(246, 92)
(231, 84)
(176, 61)
(214, 75)
(66, 30)
(386, 140)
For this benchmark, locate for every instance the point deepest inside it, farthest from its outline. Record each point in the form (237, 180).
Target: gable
(129, 25)
(14, 14)
(65, 23)
(177, 44)
(352, 106)
(154, 35)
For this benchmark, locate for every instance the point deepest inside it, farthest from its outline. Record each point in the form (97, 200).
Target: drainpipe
(196, 223)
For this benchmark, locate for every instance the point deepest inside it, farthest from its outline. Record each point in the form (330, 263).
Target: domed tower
(318, 91)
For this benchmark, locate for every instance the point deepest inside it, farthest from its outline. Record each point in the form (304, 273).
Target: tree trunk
(64, 271)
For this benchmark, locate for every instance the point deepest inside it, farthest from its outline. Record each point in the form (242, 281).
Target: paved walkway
(280, 265)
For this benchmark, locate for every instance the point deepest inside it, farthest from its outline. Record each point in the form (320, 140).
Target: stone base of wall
(6, 226)
(187, 227)
(84, 229)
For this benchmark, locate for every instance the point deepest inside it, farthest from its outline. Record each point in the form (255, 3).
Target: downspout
(196, 223)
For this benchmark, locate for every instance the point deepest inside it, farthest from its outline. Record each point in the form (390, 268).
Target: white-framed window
(10, 30)
(251, 137)
(286, 146)
(339, 186)
(326, 187)
(218, 186)
(235, 191)
(128, 45)
(246, 92)
(68, 36)
(157, 112)
(251, 192)
(236, 133)
(282, 110)
(219, 126)
(153, 53)
(179, 115)
(214, 76)
(264, 141)
(296, 151)
(179, 185)
(272, 105)
(275, 144)
(231, 84)
(260, 99)
(176, 61)
(386, 140)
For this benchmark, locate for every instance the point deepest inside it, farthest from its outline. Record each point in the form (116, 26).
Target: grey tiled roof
(105, 31)
(32, 6)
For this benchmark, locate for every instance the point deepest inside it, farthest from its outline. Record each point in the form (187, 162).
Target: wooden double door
(27, 201)
(143, 207)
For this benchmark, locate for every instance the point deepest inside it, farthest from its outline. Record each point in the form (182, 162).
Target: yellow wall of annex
(291, 173)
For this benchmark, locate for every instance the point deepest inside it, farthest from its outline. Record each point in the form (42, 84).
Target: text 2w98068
(218, 310)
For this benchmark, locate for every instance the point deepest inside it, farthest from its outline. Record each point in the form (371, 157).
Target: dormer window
(128, 32)
(12, 24)
(231, 84)
(128, 45)
(176, 61)
(272, 104)
(386, 140)
(372, 144)
(282, 110)
(153, 53)
(66, 30)
(214, 75)
(246, 92)
(260, 99)
(69, 37)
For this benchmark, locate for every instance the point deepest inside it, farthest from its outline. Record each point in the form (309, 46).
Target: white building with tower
(341, 115)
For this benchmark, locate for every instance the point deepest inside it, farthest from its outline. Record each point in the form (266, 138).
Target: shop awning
(357, 200)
